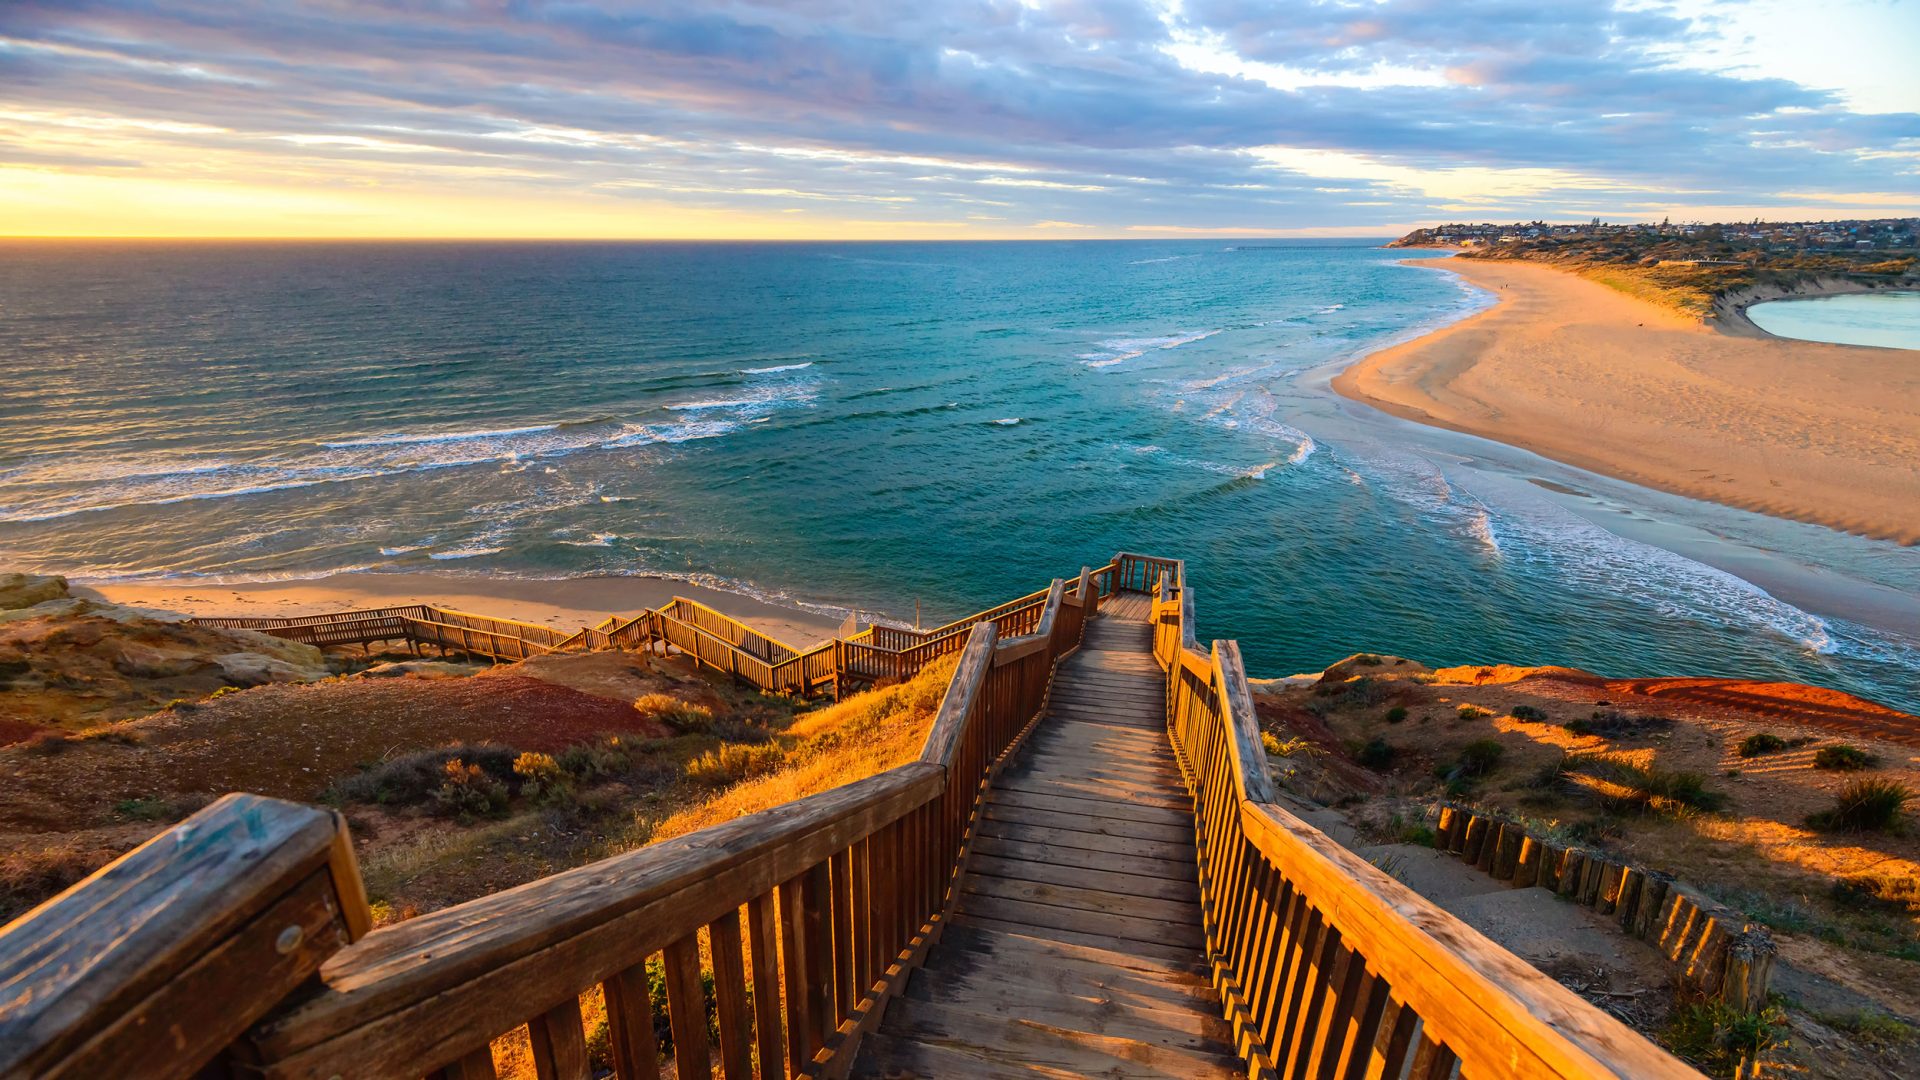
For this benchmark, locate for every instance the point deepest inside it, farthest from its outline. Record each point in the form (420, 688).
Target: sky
(972, 119)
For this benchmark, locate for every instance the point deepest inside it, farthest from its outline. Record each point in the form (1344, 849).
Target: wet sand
(1570, 369)
(567, 604)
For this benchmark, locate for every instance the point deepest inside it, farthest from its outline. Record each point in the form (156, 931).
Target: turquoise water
(1890, 320)
(864, 425)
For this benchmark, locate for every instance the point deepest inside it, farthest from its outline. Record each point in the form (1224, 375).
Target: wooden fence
(1326, 965)
(810, 916)
(413, 626)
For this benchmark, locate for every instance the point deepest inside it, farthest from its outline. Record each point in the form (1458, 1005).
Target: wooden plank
(1136, 932)
(559, 1043)
(1046, 1049)
(1011, 999)
(997, 810)
(476, 1065)
(1091, 807)
(636, 1049)
(1179, 869)
(762, 933)
(735, 1019)
(1086, 899)
(687, 1010)
(793, 969)
(1089, 841)
(1119, 879)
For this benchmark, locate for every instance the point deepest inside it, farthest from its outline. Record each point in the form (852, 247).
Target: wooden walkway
(1076, 948)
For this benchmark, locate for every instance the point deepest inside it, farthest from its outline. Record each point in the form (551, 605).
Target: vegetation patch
(1721, 1040)
(1762, 743)
(1531, 714)
(1844, 759)
(1865, 806)
(682, 716)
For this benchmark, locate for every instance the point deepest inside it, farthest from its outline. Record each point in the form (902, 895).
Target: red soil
(292, 741)
(1737, 699)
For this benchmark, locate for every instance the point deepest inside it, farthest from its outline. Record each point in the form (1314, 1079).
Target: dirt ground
(1841, 957)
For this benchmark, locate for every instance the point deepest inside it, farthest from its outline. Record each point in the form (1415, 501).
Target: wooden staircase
(1076, 947)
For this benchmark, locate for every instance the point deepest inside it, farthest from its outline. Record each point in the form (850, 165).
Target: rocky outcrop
(68, 662)
(26, 590)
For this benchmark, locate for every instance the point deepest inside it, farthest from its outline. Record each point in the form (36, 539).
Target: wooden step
(1028, 1044)
(1090, 1007)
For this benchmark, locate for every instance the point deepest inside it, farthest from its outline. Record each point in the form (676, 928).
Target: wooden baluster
(1388, 1057)
(1343, 986)
(636, 1049)
(845, 985)
(793, 969)
(559, 1043)
(763, 931)
(687, 1010)
(817, 955)
(863, 920)
(1356, 1043)
(1316, 977)
(730, 997)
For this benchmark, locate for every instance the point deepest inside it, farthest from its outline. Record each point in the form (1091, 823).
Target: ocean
(864, 426)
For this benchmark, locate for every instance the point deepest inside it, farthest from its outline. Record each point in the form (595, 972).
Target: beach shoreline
(564, 604)
(1567, 368)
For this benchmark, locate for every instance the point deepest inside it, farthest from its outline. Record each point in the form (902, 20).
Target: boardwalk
(1076, 947)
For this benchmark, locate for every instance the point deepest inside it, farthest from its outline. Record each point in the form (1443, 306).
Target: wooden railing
(413, 625)
(809, 918)
(237, 936)
(1326, 965)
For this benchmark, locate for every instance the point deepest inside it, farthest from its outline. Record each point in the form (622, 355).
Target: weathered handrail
(1326, 965)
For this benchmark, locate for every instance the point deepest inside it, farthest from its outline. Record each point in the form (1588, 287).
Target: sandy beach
(1575, 371)
(568, 604)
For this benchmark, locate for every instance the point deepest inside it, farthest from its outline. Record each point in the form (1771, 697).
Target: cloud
(1210, 115)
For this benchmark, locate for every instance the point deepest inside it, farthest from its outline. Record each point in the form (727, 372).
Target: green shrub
(1479, 757)
(601, 759)
(1363, 692)
(1865, 806)
(541, 778)
(1529, 713)
(1376, 754)
(1762, 743)
(417, 777)
(468, 791)
(1719, 1038)
(1396, 714)
(1472, 712)
(684, 717)
(1844, 759)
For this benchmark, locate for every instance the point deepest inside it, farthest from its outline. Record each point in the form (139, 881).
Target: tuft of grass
(684, 717)
(1762, 743)
(1844, 759)
(602, 759)
(1529, 713)
(1363, 692)
(1650, 788)
(1870, 1026)
(1377, 754)
(1865, 806)
(1472, 712)
(1719, 1039)
(1290, 747)
(1396, 714)
(1878, 892)
(734, 762)
(1270, 743)
(1480, 757)
(146, 808)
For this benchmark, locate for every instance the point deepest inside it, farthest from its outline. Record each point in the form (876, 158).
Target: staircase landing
(1076, 947)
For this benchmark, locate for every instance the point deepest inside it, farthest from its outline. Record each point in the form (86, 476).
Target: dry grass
(836, 745)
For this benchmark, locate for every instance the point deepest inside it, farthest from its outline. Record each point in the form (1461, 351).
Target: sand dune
(1568, 368)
